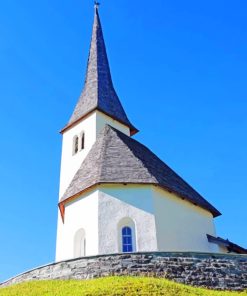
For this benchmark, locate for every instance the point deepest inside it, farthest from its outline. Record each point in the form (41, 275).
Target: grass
(116, 286)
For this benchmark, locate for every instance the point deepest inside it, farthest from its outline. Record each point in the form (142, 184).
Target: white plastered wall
(180, 225)
(103, 119)
(70, 163)
(91, 126)
(117, 202)
(81, 213)
(162, 221)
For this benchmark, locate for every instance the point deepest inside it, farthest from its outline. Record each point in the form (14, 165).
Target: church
(116, 195)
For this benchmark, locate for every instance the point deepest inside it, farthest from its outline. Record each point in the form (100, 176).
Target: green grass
(116, 286)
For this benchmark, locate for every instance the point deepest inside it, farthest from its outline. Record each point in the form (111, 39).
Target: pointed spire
(99, 93)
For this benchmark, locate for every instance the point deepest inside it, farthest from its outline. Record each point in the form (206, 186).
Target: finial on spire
(96, 4)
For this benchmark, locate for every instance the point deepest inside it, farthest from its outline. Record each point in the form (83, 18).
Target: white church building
(115, 194)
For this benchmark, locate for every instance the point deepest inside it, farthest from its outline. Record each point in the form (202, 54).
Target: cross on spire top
(96, 4)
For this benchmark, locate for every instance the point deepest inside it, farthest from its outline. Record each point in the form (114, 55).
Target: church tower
(115, 194)
(98, 105)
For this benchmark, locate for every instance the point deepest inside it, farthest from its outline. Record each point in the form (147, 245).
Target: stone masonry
(213, 271)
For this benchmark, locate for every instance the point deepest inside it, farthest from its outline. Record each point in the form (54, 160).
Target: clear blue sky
(179, 68)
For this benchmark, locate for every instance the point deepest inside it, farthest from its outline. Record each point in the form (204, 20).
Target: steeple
(99, 93)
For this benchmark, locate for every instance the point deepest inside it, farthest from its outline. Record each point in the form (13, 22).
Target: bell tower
(98, 105)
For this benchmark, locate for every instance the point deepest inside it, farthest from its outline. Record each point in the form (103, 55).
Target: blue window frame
(127, 245)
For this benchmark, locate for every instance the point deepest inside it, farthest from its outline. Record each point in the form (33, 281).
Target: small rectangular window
(82, 141)
(75, 145)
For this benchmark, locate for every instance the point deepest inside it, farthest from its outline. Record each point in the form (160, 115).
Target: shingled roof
(99, 93)
(116, 158)
(230, 246)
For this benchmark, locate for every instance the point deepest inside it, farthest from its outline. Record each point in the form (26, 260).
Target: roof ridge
(105, 131)
(154, 155)
(138, 159)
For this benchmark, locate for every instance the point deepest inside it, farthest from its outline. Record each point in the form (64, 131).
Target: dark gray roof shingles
(99, 92)
(118, 158)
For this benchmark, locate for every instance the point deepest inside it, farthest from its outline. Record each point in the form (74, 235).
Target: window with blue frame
(127, 244)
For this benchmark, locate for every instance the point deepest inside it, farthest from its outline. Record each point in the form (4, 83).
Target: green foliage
(116, 286)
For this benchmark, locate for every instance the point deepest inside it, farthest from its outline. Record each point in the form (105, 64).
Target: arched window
(80, 243)
(75, 145)
(127, 240)
(82, 141)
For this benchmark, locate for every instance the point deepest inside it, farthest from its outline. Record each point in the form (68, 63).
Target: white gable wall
(103, 119)
(118, 202)
(82, 213)
(180, 225)
(70, 163)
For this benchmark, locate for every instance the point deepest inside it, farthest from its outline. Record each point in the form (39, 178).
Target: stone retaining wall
(214, 271)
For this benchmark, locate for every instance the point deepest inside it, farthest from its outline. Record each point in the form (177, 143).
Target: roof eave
(210, 209)
(133, 130)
